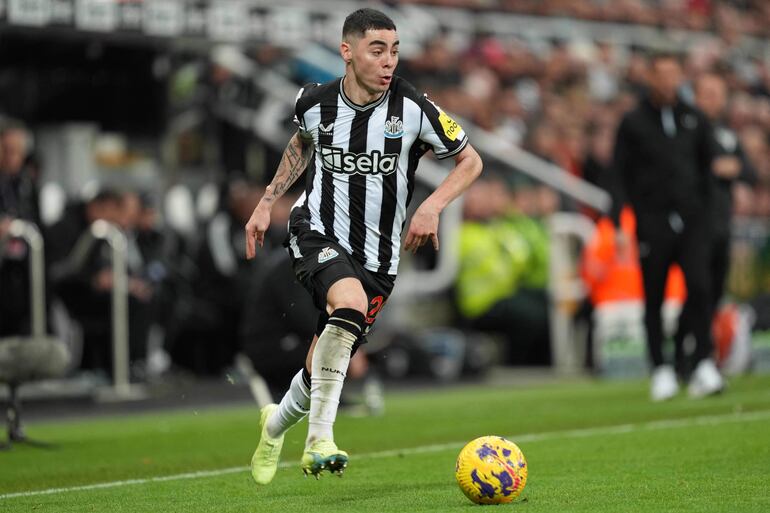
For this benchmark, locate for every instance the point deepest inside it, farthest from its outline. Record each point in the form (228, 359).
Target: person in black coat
(83, 282)
(711, 98)
(18, 200)
(664, 157)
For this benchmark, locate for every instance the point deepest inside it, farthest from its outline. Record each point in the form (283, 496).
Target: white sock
(292, 408)
(330, 364)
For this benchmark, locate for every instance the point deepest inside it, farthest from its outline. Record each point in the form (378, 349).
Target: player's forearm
(467, 169)
(295, 159)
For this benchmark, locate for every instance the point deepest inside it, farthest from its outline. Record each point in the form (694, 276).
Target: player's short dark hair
(358, 22)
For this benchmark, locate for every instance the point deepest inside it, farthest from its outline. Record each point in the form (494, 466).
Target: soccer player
(368, 130)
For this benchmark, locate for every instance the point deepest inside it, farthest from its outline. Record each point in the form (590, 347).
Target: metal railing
(566, 288)
(525, 162)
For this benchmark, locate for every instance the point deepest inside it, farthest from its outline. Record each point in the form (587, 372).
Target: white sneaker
(664, 385)
(706, 380)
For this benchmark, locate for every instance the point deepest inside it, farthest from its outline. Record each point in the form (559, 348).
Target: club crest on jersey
(326, 254)
(374, 163)
(394, 128)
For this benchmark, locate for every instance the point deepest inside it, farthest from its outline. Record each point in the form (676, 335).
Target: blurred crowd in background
(195, 302)
(564, 103)
(729, 17)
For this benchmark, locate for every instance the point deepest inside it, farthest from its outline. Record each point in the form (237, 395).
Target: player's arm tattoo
(295, 159)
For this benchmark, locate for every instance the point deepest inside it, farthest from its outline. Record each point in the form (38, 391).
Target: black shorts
(319, 262)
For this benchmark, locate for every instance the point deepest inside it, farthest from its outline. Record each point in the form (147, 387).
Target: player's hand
(424, 226)
(256, 228)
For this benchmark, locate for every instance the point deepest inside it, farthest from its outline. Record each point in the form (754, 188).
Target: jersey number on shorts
(374, 308)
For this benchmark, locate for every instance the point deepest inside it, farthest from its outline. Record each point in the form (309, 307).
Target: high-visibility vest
(611, 278)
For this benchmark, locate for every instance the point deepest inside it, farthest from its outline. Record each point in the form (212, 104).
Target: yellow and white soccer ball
(491, 470)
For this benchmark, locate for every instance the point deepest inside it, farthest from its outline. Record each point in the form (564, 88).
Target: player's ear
(346, 51)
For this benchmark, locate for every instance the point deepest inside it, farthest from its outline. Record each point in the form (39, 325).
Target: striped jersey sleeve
(440, 131)
(303, 102)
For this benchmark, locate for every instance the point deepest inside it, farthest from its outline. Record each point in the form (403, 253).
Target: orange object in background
(610, 276)
(723, 329)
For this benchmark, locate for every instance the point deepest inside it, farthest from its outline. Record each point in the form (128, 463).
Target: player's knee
(352, 301)
(347, 293)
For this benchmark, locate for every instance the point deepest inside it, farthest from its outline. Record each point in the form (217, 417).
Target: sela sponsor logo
(326, 254)
(394, 128)
(375, 163)
(326, 129)
(333, 371)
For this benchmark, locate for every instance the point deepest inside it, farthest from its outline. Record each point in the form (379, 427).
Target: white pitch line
(528, 437)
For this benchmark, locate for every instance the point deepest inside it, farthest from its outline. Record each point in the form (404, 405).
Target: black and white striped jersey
(365, 161)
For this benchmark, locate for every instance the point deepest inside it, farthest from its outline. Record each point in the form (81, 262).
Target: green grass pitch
(592, 447)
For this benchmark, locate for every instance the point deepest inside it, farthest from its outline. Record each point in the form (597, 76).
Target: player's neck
(357, 93)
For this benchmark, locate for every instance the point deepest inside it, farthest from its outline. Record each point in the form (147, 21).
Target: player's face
(373, 58)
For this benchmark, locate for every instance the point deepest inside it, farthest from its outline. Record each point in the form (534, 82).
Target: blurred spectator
(597, 168)
(82, 276)
(18, 200)
(279, 320)
(82, 279)
(603, 80)
(153, 244)
(503, 273)
(18, 179)
(711, 98)
(230, 91)
(167, 267)
(141, 289)
(206, 338)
